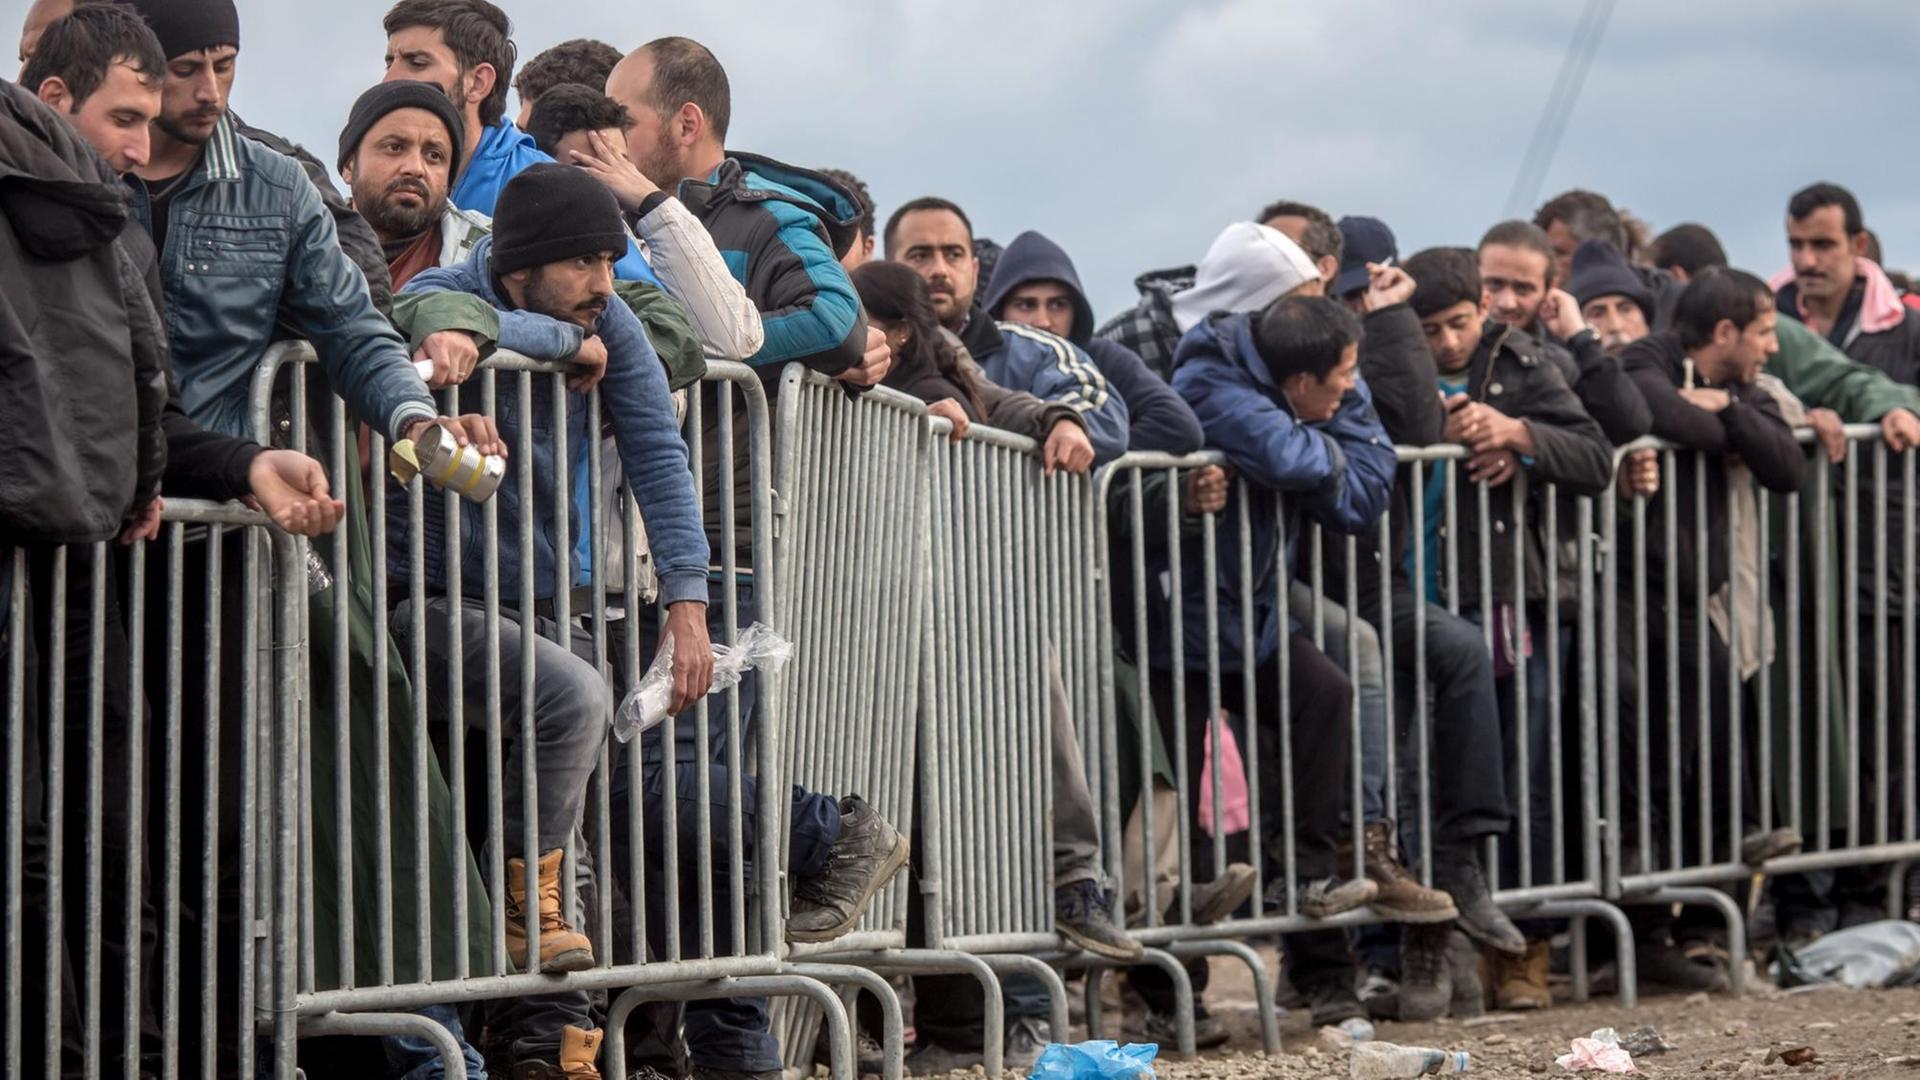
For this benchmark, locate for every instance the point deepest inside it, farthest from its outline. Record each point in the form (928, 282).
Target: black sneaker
(1458, 874)
(869, 1056)
(1083, 914)
(701, 1072)
(865, 857)
(1208, 1031)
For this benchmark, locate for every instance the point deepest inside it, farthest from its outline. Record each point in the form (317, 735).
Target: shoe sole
(1416, 916)
(1233, 888)
(896, 859)
(1100, 948)
(570, 961)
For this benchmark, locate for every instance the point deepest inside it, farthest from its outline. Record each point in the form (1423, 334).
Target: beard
(548, 301)
(391, 220)
(176, 127)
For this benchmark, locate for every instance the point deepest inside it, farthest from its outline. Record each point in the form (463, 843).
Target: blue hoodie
(1157, 418)
(504, 153)
(1337, 474)
(640, 408)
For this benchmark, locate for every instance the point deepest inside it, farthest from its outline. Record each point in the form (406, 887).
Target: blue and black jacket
(781, 230)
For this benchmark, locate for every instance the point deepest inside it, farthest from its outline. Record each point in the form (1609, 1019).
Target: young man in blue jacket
(1279, 394)
(935, 238)
(555, 238)
(465, 47)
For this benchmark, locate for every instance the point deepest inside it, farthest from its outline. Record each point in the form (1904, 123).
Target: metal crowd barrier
(1831, 711)
(366, 978)
(140, 833)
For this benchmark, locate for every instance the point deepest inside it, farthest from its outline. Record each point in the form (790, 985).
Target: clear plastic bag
(758, 647)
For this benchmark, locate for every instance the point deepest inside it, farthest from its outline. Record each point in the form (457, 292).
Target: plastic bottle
(1386, 1061)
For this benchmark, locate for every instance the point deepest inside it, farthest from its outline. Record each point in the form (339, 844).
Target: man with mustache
(550, 261)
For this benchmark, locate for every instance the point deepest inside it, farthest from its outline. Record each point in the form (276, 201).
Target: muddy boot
(1401, 898)
(1325, 898)
(562, 948)
(1463, 965)
(865, 857)
(1457, 870)
(1083, 914)
(1426, 980)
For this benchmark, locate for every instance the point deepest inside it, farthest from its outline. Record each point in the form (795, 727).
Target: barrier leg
(1004, 964)
(839, 1031)
(1736, 927)
(1897, 888)
(892, 1027)
(389, 1024)
(1095, 984)
(1182, 998)
(1577, 956)
(1262, 984)
(1622, 937)
(945, 962)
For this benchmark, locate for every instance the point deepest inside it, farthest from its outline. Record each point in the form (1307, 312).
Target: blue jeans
(414, 1058)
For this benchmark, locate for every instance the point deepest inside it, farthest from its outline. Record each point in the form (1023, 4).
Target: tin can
(448, 465)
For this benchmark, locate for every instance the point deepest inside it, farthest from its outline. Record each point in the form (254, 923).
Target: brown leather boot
(1520, 982)
(579, 1058)
(562, 948)
(1401, 898)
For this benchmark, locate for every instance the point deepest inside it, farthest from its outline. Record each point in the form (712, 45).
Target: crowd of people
(159, 245)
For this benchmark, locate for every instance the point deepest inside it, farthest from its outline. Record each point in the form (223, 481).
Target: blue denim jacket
(249, 243)
(635, 395)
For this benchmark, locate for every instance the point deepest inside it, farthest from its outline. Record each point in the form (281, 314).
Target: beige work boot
(562, 948)
(1520, 982)
(1402, 898)
(579, 1058)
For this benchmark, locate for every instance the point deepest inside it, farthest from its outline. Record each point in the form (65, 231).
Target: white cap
(1248, 267)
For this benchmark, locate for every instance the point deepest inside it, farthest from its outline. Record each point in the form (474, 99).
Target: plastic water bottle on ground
(1358, 1028)
(1386, 1061)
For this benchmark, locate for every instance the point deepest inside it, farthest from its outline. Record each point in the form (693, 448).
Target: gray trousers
(572, 709)
(1076, 825)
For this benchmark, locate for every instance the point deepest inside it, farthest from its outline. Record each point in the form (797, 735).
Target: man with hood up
(1035, 284)
(1247, 267)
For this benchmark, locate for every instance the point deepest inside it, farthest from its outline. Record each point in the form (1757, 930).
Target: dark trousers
(121, 881)
(729, 1033)
(1320, 702)
(1467, 778)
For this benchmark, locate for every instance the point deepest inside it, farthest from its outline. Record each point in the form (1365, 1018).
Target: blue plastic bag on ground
(1099, 1059)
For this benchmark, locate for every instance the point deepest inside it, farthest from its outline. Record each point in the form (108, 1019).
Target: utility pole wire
(1558, 110)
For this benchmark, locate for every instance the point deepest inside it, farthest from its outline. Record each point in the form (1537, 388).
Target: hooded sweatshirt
(1248, 267)
(1158, 418)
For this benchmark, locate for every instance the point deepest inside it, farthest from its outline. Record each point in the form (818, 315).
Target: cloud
(1130, 131)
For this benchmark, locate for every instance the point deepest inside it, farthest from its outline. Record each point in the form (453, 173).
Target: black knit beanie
(386, 97)
(553, 212)
(1598, 270)
(185, 26)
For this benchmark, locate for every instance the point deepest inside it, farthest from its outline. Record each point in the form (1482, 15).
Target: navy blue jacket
(1338, 474)
(1157, 418)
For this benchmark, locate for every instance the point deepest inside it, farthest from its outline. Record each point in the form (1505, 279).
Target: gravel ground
(1853, 1033)
(1867, 1033)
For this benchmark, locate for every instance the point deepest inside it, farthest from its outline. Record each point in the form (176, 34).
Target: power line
(1558, 110)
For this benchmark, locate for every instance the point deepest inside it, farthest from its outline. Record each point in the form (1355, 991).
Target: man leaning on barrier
(104, 351)
(1508, 403)
(1279, 394)
(556, 234)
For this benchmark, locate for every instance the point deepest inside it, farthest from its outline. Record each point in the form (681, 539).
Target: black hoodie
(1159, 419)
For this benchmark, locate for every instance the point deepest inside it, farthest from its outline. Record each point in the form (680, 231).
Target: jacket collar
(981, 336)
(220, 160)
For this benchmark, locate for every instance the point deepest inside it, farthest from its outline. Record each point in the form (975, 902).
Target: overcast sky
(1131, 131)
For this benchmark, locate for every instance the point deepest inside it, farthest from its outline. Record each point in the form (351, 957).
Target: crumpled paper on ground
(1599, 1052)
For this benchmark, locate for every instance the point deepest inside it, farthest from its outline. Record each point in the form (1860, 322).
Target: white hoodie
(1248, 267)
